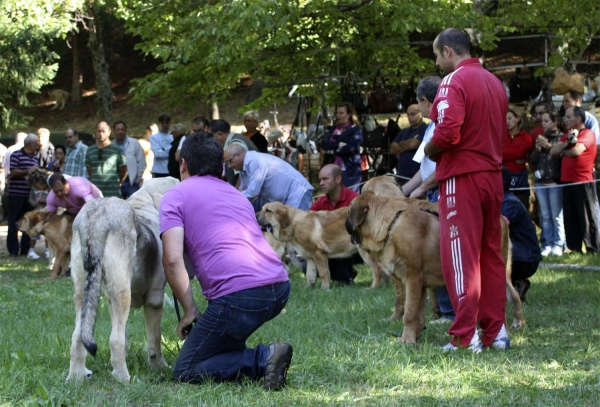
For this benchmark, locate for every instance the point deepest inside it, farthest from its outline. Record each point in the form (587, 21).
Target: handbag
(370, 123)
(351, 94)
(381, 98)
(375, 138)
(563, 82)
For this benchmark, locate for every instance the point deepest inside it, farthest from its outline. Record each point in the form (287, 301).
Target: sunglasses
(100, 154)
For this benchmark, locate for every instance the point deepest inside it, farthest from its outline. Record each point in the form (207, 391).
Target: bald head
(234, 157)
(330, 179)
(332, 169)
(415, 117)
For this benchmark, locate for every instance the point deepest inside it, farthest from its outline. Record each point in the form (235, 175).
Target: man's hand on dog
(185, 325)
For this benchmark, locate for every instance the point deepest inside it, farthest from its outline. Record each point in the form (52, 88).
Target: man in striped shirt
(75, 160)
(22, 163)
(106, 164)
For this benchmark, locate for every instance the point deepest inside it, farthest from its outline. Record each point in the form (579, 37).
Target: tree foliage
(207, 46)
(27, 28)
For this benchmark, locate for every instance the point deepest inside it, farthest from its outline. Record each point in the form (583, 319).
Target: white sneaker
(557, 251)
(442, 320)
(475, 345)
(547, 250)
(32, 255)
(47, 253)
(502, 340)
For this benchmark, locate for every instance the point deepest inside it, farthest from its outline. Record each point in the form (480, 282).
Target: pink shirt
(81, 191)
(221, 236)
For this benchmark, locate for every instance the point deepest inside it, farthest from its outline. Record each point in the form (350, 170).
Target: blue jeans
(551, 215)
(216, 346)
(127, 189)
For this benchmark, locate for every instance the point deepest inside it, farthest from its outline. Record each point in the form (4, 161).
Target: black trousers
(579, 215)
(341, 269)
(17, 207)
(523, 269)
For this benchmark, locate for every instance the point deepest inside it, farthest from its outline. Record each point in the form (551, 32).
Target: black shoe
(523, 289)
(278, 363)
(345, 282)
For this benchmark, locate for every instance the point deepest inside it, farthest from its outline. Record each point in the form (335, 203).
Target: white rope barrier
(511, 189)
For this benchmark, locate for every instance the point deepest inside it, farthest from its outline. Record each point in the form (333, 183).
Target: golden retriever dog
(387, 186)
(116, 247)
(58, 230)
(60, 97)
(315, 235)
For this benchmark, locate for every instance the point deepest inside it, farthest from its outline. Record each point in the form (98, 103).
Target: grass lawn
(345, 352)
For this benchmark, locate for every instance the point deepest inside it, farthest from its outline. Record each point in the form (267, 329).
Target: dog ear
(357, 214)
(284, 218)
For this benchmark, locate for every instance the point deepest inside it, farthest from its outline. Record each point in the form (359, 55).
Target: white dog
(116, 245)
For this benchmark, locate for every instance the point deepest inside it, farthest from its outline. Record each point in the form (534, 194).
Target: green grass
(345, 352)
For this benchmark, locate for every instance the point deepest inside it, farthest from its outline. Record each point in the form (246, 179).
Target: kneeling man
(241, 276)
(336, 196)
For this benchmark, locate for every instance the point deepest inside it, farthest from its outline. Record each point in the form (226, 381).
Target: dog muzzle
(354, 236)
(266, 228)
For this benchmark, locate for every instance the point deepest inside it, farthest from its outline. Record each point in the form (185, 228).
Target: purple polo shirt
(81, 191)
(222, 238)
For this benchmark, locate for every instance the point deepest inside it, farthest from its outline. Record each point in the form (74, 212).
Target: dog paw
(406, 341)
(121, 377)
(395, 317)
(518, 324)
(80, 375)
(158, 362)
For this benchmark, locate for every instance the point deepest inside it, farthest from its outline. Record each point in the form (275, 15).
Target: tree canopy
(27, 28)
(206, 47)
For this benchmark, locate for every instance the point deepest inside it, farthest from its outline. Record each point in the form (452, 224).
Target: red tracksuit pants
(470, 240)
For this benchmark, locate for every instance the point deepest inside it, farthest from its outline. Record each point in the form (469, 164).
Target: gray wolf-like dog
(116, 246)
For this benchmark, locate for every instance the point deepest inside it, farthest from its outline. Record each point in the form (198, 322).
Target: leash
(186, 330)
(389, 232)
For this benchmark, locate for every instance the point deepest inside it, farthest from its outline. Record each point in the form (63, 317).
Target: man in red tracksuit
(470, 115)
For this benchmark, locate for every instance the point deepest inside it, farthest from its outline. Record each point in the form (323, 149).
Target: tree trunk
(77, 75)
(104, 94)
(214, 108)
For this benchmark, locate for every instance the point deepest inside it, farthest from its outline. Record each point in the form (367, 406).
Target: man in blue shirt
(270, 177)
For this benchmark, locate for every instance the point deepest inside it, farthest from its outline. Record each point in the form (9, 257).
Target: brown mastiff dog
(58, 230)
(387, 186)
(315, 235)
(406, 261)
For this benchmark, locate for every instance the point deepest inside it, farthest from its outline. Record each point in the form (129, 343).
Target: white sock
(475, 338)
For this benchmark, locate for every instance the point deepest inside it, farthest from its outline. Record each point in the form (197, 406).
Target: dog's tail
(93, 235)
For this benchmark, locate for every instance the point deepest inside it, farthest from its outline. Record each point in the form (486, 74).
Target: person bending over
(269, 177)
(241, 276)
(71, 193)
(526, 252)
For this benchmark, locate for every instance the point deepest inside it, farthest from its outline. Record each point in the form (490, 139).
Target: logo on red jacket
(441, 107)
